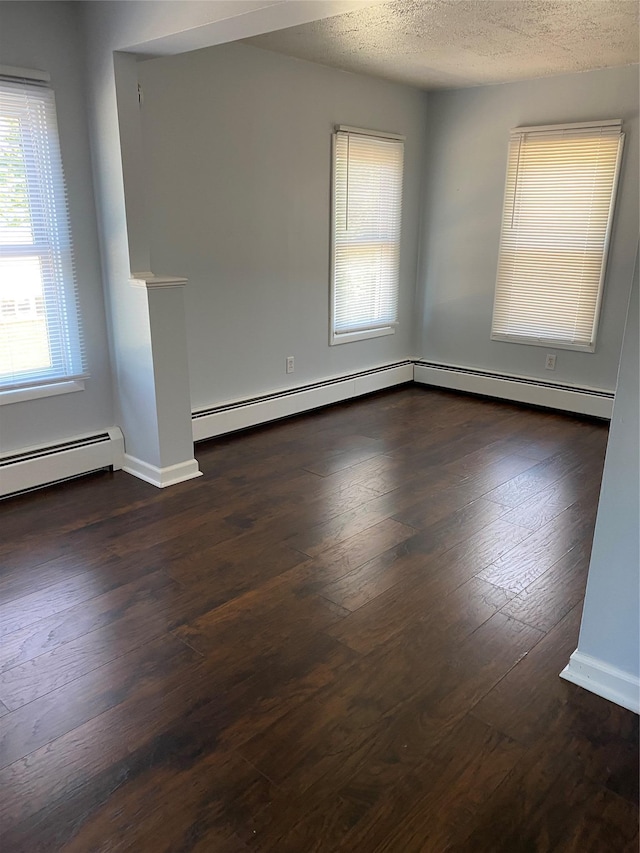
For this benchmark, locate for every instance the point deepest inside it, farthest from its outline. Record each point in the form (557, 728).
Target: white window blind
(558, 208)
(367, 204)
(40, 336)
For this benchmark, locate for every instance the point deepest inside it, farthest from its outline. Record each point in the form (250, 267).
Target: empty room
(319, 417)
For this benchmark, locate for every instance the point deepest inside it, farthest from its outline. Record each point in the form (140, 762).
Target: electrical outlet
(550, 363)
(290, 367)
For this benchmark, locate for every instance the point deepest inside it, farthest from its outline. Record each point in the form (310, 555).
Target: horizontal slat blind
(367, 204)
(556, 221)
(40, 336)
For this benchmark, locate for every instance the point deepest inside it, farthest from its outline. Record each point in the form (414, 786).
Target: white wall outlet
(290, 367)
(550, 362)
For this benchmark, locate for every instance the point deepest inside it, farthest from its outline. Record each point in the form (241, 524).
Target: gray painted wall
(148, 335)
(467, 154)
(238, 178)
(610, 629)
(45, 36)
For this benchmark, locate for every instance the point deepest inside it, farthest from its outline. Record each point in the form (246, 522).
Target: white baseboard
(520, 389)
(161, 477)
(604, 680)
(40, 465)
(240, 414)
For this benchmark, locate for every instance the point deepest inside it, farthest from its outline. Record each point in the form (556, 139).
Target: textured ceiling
(437, 44)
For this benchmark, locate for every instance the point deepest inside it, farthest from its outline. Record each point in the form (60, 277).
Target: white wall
(45, 36)
(468, 138)
(610, 631)
(237, 146)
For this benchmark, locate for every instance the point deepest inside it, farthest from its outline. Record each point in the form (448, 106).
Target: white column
(174, 461)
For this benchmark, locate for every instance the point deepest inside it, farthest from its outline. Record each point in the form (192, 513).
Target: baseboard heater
(240, 414)
(45, 464)
(595, 402)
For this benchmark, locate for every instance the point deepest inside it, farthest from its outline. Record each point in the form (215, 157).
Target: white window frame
(509, 202)
(335, 337)
(68, 369)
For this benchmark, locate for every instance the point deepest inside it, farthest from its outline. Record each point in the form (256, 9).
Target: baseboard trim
(595, 402)
(161, 477)
(240, 414)
(604, 680)
(45, 464)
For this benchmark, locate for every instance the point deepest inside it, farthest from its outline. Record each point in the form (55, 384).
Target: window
(558, 208)
(40, 336)
(367, 203)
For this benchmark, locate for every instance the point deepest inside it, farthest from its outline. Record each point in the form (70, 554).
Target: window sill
(19, 395)
(539, 342)
(350, 337)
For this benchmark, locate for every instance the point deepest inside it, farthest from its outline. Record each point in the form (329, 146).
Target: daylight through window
(367, 205)
(558, 208)
(40, 336)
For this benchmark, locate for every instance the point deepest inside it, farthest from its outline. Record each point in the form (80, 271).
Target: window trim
(337, 338)
(41, 384)
(555, 343)
(365, 334)
(35, 392)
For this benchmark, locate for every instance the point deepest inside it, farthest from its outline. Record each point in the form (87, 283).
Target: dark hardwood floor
(345, 636)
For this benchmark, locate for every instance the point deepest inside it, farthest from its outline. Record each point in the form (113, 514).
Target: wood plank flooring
(345, 636)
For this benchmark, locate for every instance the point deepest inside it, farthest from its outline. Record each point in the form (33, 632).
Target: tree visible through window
(40, 336)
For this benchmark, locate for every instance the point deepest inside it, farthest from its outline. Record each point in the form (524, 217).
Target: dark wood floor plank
(537, 554)
(31, 576)
(381, 474)
(455, 562)
(560, 495)
(386, 616)
(524, 704)
(74, 505)
(546, 804)
(313, 493)
(156, 532)
(322, 734)
(230, 569)
(443, 503)
(60, 596)
(63, 709)
(547, 600)
(333, 510)
(207, 798)
(279, 828)
(24, 554)
(174, 721)
(466, 557)
(544, 436)
(432, 704)
(488, 469)
(343, 526)
(346, 459)
(444, 792)
(343, 557)
(141, 623)
(259, 621)
(605, 825)
(531, 482)
(601, 736)
(346, 635)
(47, 634)
(286, 683)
